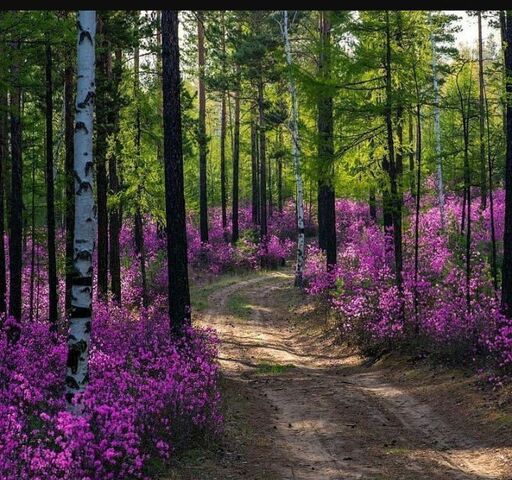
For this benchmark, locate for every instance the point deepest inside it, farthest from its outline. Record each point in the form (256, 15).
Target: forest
(255, 244)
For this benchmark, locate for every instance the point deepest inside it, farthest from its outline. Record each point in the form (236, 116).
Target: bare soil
(300, 405)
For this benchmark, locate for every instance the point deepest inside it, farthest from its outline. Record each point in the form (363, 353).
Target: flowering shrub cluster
(148, 395)
(362, 289)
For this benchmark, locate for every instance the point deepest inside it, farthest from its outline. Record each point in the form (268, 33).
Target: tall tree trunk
(77, 376)
(254, 174)
(102, 129)
(437, 134)
(70, 178)
(396, 206)
(16, 217)
(503, 36)
(115, 211)
(50, 195)
(417, 214)
(506, 283)
(326, 195)
(203, 192)
(299, 187)
(223, 134)
(236, 162)
(262, 162)
(140, 249)
(412, 184)
(483, 175)
(465, 106)
(494, 266)
(279, 161)
(179, 296)
(3, 161)
(33, 242)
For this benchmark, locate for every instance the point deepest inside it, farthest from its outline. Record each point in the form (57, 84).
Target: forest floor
(300, 405)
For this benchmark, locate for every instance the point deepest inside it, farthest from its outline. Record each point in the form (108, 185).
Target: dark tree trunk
(16, 217)
(50, 196)
(70, 179)
(483, 174)
(372, 203)
(179, 296)
(326, 195)
(494, 266)
(102, 128)
(3, 161)
(262, 162)
(223, 162)
(203, 191)
(223, 137)
(269, 191)
(417, 216)
(141, 252)
(254, 174)
(33, 243)
(279, 161)
(395, 200)
(236, 162)
(412, 184)
(115, 212)
(140, 249)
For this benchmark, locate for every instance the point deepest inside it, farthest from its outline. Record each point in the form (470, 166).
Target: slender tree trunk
(279, 161)
(223, 195)
(494, 266)
(299, 187)
(70, 178)
(16, 217)
(102, 129)
(236, 162)
(412, 184)
(483, 174)
(50, 196)
(437, 134)
(326, 195)
(179, 296)
(417, 215)
(254, 174)
(503, 34)
(372, 204)
(262, 162)
(465, 106)
(269, 188)
(33, 242)
(115, 211)
(140, 249)
(3, 162)
(506, 282)
(203, 191)
(77, 376)
(396, 207)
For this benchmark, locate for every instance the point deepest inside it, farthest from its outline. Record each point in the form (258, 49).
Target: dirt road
(315, 413)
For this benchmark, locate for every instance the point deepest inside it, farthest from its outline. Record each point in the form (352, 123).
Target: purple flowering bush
(361, 288)
(148, 396)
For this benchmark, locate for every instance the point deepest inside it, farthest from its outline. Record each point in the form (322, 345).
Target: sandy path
(318, 419)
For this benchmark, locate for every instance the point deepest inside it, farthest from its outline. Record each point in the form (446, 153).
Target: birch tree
(85, 215)
(294, 126)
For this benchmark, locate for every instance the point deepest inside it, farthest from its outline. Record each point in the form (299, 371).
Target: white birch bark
(294, 127)
(437, 133)
(85, 213)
